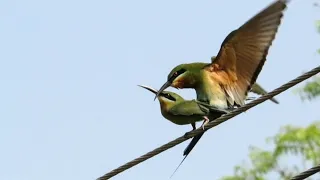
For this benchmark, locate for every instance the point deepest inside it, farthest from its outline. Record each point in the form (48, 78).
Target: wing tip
(264, 58)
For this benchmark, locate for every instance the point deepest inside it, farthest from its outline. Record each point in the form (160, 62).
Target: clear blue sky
(70, 107)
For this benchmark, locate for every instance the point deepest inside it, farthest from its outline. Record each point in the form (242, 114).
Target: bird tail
(188, 149)
(256, 88)
(191, 145)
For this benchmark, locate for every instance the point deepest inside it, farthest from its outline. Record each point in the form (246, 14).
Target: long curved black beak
(165, 86)
(149, 88)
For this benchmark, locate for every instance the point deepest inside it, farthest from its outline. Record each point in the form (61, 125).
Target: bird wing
(256, 88)
(187, 108)
(243, 53)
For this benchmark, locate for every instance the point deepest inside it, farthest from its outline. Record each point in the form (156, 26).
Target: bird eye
(176, 74)
(168, 96)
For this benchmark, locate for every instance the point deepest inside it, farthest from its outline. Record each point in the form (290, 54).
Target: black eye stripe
(168, 96)
(176, 74)
(181, 71)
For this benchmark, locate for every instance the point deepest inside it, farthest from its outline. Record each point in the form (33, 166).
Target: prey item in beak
(165, 86)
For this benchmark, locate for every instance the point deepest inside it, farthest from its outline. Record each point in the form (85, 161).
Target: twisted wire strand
(307, 173)
(210, 124)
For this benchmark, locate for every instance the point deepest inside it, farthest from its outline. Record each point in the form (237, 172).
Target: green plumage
(192, 74)
(180, 111)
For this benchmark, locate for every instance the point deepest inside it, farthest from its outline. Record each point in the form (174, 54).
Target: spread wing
(243, 53)
(187, 108)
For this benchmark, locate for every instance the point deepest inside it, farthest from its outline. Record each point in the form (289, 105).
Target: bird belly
(209, 91)
(182, 120)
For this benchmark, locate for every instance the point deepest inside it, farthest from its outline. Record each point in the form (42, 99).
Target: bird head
(166, 98)
(183, 76)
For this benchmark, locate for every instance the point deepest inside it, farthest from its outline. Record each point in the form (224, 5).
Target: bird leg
(206, 120)
(193, 126)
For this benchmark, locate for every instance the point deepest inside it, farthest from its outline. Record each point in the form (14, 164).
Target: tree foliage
(311, 90)
(291, 141)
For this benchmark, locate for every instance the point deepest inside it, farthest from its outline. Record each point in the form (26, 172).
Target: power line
(307, 173)
(210, 124)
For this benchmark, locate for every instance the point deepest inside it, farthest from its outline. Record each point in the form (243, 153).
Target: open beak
(149, 88)
(165, 86)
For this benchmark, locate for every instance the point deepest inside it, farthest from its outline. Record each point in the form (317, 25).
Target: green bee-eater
(182, 112)
(179, 111)
(226, 81)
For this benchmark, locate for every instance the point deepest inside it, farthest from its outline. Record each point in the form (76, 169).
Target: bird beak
(165, 86)
(149, 88)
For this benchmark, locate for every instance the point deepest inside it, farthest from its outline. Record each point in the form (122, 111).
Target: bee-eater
(227, 79)
(182, 112)
(179, 111)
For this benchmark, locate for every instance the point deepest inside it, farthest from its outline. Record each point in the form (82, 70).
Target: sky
(70, 107)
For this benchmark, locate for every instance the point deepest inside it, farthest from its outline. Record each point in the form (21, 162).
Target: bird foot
(206, 120)
(193, 126)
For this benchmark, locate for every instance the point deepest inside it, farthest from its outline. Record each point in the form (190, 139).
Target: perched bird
(179, 111)
(182, 112)
(227, 79)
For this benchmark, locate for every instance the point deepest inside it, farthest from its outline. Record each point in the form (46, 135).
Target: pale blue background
(70, 107)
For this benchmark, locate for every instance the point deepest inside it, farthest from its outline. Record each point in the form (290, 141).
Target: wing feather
(187, 108)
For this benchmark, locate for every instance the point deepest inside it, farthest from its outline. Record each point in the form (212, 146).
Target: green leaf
(290, 140)
(311, 89)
